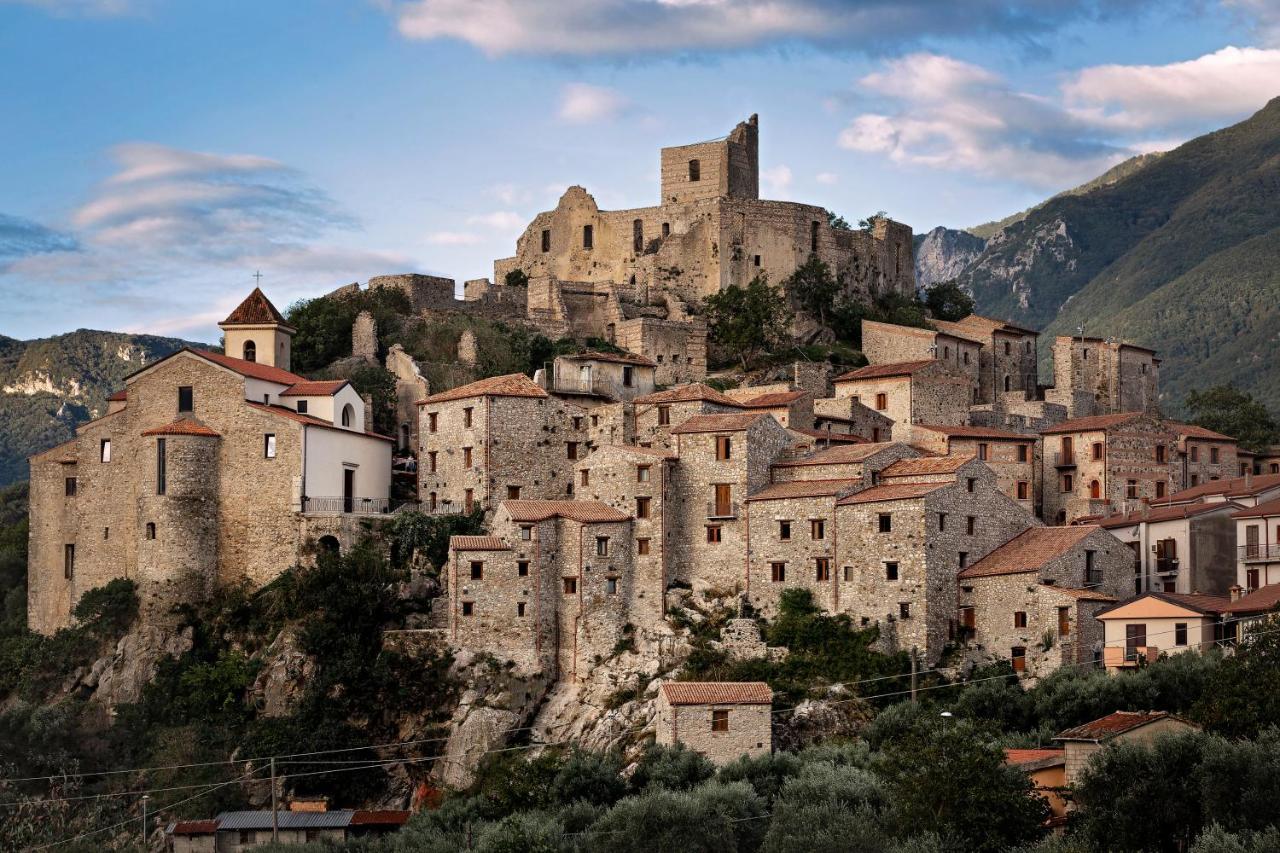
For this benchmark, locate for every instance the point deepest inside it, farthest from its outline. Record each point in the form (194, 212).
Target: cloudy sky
(157, 152)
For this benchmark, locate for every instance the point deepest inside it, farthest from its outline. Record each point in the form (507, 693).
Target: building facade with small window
(1141, 629)
(592, 377)
(1257, 545)
(1014, 457)
(930, 391)
(1185, 548)
(658, 413)
(722, 720)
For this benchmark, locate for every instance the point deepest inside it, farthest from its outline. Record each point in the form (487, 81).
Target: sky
(157, 153)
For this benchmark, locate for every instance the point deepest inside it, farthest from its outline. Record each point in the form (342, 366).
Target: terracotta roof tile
(843, 454)
(118, 396)
(835, 437)
(692, 393)
(252, 369)
(183, 426)
(717, 692)
(477, 543)
(777, 398)
(1114, 724)
(894, 492)
(804, 489)
(732, 422)
(194, 827)
(256, 310)
(613, 357)
(301, 418)
(1163, 512)
(975, 432)
(1234, 487)
(1194, 431)
(1028, 551)
(883, 371)
(1261, 600)
(1078, 593)
(510, 385)
(585, 512)
(1262, 510)
(1092, 424)
(315, 388)
(379, 817)
(926, 465)
(1208, 605)
(1015, 757)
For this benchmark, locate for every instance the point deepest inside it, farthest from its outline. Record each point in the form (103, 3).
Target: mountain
(1181, 254)
(50, 386)
(944, 253)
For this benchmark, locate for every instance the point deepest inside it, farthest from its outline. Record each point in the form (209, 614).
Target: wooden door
(348, 489)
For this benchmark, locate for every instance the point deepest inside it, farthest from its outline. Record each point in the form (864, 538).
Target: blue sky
(157, 152)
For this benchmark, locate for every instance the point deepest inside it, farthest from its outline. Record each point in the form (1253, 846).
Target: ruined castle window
(432, 421)
(468, 608)
(1095, 490)
(664, 415)
(642, 473)
(104, 450)
(151, 530)
(1144, 368)
(70, 486)
(637, 239)
(302, 407)
(1026, 346)
(68, 561)
(885, 522)
(186, 399)
(757, 260)
(1085, 355)
(642, 547)
(587, 236)
(675, 359)
(660, 358)
(695, 170)
(713, 533)
(468, 500)
(526, 532)
(642, 507)
(724, 447)
(571, 449)
(1022, 453)
(822, 569)
(477, 570)
(585, 475)
(522, 568)
(784, 530)
(983, 451)
(942, 522)
(904, 609)
(891, 571)
(817, 528)
(546, 239)
(519, 608)
(160, 466)
(963, 559)
(269, 446)
(1019, 619)
(513, 493)
(1131, 489)
(882, 401)
(570, 586)
(971, 524)
(813, 236)
(348, 414)
(466, 416)
(1008, 384)
(666, 229)
(602, 546)
(250, 351)
(431, 461)
(1024, 490)
(778, 572)
(1007, 346)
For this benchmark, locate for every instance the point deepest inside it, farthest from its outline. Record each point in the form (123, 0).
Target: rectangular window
(642, 507)
(971, 484)
(1160, 488)
(784, 530)
(584, 477)
(186, 398)
(1131, 489)
(971, 524)
(269, 445)
(1068, 483)
(587, 236)
(1092, 576)
(1135, 637)
(431, 461)
(1019, 619)
(1213, 455)
(602, 546)
(68, 561)
(724, 447)
(570, 586)
(664, 415)
(822, 569)
(526, 532)
(522, 568)
(983, 451)
(1022, 453)
(942, 522)
(302, 407)
(964, 559)
(642, 473)
(519, 608)
(848, 574)
(713, 533)
(778, 572)
(571, 449)
(882, 402)
(433, 420)
(105, 450)
(1018, 656)
(1195, 453)
(1160, 453)
(546, 239)
(466, 416)
(70, 487)
(1024, 490)
(477, 570)
(468, 608)
(610, 586)
(160, 466)
(904, 610)
(628, 376)
(466, 457)
(513, 493)
(468, 500)
(885, 522)
(1064, 622)
(1097, 451)
(719, 720)
(891, 571)
(817, 528)
(1180, 634)
(723, 499)
(577, 421)
(642, 547)
(695, 171)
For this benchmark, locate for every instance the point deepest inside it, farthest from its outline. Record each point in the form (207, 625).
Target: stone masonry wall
(750, 730)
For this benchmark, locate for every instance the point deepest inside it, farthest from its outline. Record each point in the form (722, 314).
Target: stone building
(1007, 361)
(849, 415)
(1092, 376)
(1090, 464)
(792, 409)
(1011, 455)
(887, 343)
(210, 470)
(1204, 455)
(929, 391)
(591, 378)
(721, 720)
(657, 414)
(1080, 743)
(502, 438)
(1033, 600)
(840, 461)
(411, 388)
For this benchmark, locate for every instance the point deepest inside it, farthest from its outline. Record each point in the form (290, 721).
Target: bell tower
(256, 331)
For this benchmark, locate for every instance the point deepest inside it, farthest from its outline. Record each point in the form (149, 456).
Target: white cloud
(827, 178)
(499, 220)
(582, 103)
(453, 238)
(86, 8)
(1260, 16)
(778, 179)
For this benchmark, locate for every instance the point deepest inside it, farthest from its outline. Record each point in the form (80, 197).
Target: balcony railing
(1128, 656)
(346, 506)
(1259, 552)
(1064, 460)
(722, 510)
(1167, 565)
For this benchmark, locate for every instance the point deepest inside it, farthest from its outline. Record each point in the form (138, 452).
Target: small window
(1213, 455)
(520, 608)
(431, 461)
(642, 507)
(713, 533)
(269, 446)
(468, 608)
(1018, 654)
(822, 569)
(250, 351)
(584, 477)
(477, 570)
(571, 449)
(1024, 490)
(813, 237)
(602, 546)
(466, 416)
(1022, 453)
(1019, 619)
(1007, 347)
(433, 420)
(971, 524)
(587, 236)
(970, 484)
(724, 447)
(595, 420)
(1131, 489)
(664, 415)
(963, 559)
(161, 485)
(522, 568)
(1180, 634)
(1195, 453)
(546, 239)
(104, 450)
(848, 574)
(784, 530)
(466, 457)
(431, 501)
(904, 609)
(186, 398)
(526, 532)
(570, 586)
(642, 473)
(695, 171)
(468, 500)
(70, 486)
(1068, 483)
(302, 407)
(666, 229)
(942, 522)
(891, 571)
(757, 260)
(1160, 453)
(513, 493)
(1160, 488)
(885, 522)
(817, 528)
(151, 530)
(106, 533)
(719, 720)
(68, 561)
(984, 451)
(778, 572)
(577, 421)
(882, 402)
(642, 547)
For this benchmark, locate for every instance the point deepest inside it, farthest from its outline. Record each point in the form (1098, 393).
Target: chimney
(1237, 592)
(1146, 509)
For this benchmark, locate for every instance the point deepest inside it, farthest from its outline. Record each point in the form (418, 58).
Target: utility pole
(145, 797)
(275, 815)
(914, 669)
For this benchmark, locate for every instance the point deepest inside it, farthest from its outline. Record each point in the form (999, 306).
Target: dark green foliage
(870, 222)
(947, 300)
(108, 611)
(850, 310)
(712, 818)
(415, 535)
(814, 288)
(745, 322)
(839, 223)
(1230, 411)
(1217, 839)
(324, 325)
(377, 382)
(671, 768)
(1243, 695)
(13, 560)
(516, 278)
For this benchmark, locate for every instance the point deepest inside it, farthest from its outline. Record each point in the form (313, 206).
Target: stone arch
(348, 415)
(329, 544)
(250, 352)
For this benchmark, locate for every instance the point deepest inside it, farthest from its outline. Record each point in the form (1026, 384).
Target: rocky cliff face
(944, 253)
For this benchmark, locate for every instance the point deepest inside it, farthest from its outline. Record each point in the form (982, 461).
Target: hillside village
(969, 509)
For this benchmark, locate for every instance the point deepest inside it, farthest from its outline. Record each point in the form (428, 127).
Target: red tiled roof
(315, 388)
(1079, 594)
(976, 432)
(777, 398)
(926, 465)
(194, 827)
(1208, 605)
(883, 371)
(1260, 600)
(256, 310)
(510, 385)
(893, 492)
(1114, 724)
(614, 357)
(1092, 424)
(251, 369)
(477, 543)
(182, 426)
(1234, 487)
(1194, 431)
(1028, 551)
(804, 489)
(732, 422)
(843, 454)
(309, 420)
(381, 817)
(581, 511)
(118, 396)
(717, 692)
(1015, 757)
(1262, 510)
(1163, 512)
(692, 393)
(825, 435)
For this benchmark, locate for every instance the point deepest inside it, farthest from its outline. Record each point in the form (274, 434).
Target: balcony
(594, 385)
(1258, 553)
(346, 506)
(1115, 657)
(1064, 460)
(1167, 565)
(722, 510)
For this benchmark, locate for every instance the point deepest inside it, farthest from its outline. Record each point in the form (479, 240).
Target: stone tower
(364, 337)
(728, 167)
(256, 331)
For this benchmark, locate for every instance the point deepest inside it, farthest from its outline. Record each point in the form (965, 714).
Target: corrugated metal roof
(336, 819)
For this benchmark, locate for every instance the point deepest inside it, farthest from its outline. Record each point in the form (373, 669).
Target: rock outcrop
(944, 253)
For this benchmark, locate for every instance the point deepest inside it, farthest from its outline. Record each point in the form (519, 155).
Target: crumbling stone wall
(862, 420)
(678, 348)
(411, 388)
(364, 337)
(1096, 377)
(425, 292)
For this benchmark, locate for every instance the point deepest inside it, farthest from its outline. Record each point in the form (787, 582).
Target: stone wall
(411, 388)
(1095, 377)
(750, 731)
(364, 337)
(678, 348)
(425, 292)
(1124, 453)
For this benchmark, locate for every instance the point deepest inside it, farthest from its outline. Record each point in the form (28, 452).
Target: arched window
(328, 545)
(348, 415)
(151, 530)
(250, 351)
(1095, 490)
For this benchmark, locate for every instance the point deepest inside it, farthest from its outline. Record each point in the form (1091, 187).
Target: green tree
(870, 222)
(516, 278)
(746, 321)
(947, 300)
(838, 222)
(1243, 695)
(1230, 411)
(814, 288)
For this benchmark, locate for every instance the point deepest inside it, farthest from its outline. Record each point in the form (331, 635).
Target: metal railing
(722, 510)
(1259, 552)
(346, 506)
(593, 385)
(1064, 460)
